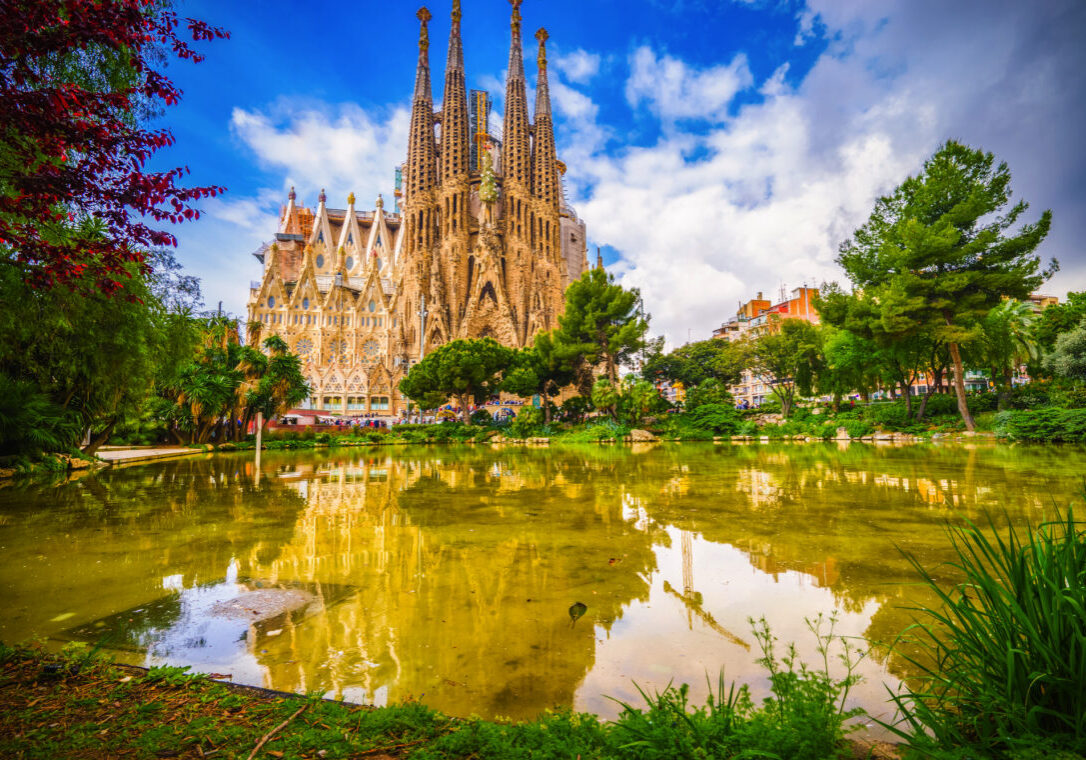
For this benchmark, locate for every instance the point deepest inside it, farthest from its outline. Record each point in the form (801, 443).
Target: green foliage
(788, 358)
(803, 718)
(605, 395)
(940, 251)
(1060, 318)
(1002, 658)
(574, 408)
(721, 419)
(638, 398)
(1043, 425)
(482, 418)
(469, 370)
(858, 428)
(1068, 357)
(601, 325)
(31, 423)
(697, 362)
(1006, 342)
(527, 422)
(710, 391)
(95, 359)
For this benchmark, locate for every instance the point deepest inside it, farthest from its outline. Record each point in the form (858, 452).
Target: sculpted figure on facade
(481, 243)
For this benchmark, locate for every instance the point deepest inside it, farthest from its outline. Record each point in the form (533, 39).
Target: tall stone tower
(483, 245)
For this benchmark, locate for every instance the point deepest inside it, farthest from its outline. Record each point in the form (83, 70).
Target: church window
(372, 306)
(379, 403)
(378, 243)
(320, 236)
(303, 347)
(350, 262)
(378, 263)
(350, 239)
(271, 302)
(370, 351)
(320, 260)
(305, 303)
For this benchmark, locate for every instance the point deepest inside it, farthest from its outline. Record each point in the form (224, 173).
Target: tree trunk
(465, 412)
(1003, 401)
(176, 433)
(836, 402)
(99, 439)
(924, 402)
(905, 388)
(959, 387)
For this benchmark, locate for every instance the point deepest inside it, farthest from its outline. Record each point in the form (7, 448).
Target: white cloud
(309, 145)
(674, 90)
(343, 149)
(579, 66)
(706, 218)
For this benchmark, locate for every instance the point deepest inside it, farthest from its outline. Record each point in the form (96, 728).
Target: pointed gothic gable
(356, 383)
(380, 379)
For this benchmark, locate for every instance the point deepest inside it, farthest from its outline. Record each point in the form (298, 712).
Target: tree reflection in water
(448, 574)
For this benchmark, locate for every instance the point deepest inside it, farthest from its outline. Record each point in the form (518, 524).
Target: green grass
(1001, 660)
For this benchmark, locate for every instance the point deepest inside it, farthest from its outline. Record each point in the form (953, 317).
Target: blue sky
(716, 148)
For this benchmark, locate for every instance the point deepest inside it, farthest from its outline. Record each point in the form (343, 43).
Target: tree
(1060, 318)
(694, 363)
(605, 396)
(76, 79)
(850, 364)
(601, 325)
(1068, 358)
(468, 370)
(1006, 343)
(787, 359)
(539, 369)
(95, 358)
(942, 243)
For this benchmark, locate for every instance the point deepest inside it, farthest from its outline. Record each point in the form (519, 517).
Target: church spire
(422, 147)
(515, 140)
(544, 158)
(454, 107)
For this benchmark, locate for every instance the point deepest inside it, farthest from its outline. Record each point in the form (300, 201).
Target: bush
(826, 431)
(482, 418)
(858, 428)
(720, 418)
(803, 719)
(1002, 659)
(527, 422)
(980, 402)
(711, 391)
(941, 404)
(1044, 425)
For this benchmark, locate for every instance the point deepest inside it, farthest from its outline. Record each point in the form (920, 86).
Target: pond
(452, 575)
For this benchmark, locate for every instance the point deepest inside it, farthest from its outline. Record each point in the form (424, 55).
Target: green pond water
(447, 574)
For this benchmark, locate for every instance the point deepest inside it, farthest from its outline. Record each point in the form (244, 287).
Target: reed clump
(1001, 656)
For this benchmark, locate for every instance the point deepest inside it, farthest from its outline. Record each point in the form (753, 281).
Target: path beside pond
(118, 456)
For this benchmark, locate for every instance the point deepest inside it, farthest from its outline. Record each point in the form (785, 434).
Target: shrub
(890, 414)
(941, 404)
(710, 391)
(722, 419)
(1002, 659)
(1045, 425)
(527, 422)
(858, 428)
(803, 719)
(826, 431)
(981, 402)
(482, 418)
(322, 438)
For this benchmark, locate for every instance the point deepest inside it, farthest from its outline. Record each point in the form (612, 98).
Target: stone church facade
(484, 245)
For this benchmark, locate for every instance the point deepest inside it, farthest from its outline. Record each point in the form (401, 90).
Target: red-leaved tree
(77, 78)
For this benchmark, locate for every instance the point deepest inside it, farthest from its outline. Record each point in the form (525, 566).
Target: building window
(350, 261)
(379, 403)
(271, 302)
(320, 260)
(305, 303)
(373, 306)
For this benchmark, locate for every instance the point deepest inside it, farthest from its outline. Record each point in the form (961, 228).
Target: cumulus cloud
(673, 90)
(343, 149)
(763, 196)
(306, 144)
(579, 66)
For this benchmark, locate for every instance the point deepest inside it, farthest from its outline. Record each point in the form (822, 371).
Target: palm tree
(1007, 342)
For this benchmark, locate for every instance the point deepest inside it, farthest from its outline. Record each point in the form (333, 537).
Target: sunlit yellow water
(447, 574)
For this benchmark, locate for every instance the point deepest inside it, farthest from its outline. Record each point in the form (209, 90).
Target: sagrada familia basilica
(481, 243)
